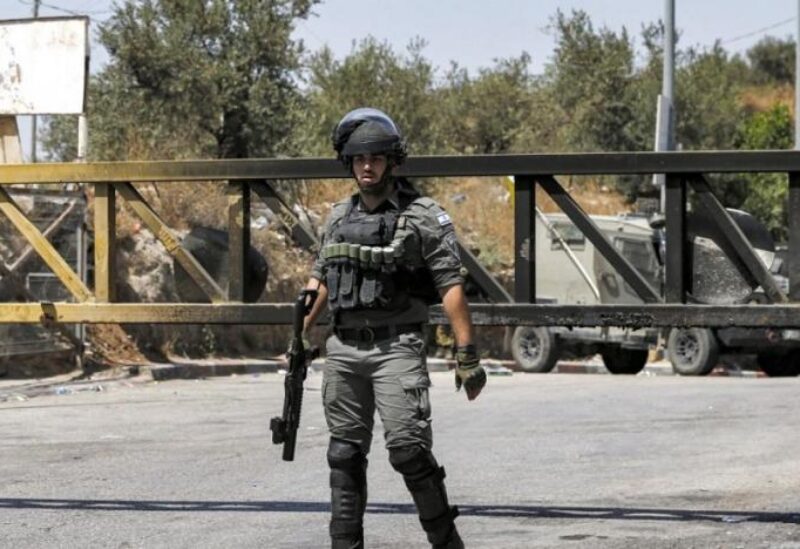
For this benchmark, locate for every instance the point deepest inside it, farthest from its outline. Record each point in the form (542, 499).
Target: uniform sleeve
(318, 270)
(429, 240)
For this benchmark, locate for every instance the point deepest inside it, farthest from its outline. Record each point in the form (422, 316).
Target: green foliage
(772, 61)
(591, 76)
(489, 114)
(188, 78)
(707, 86)
(766, 194)
(372, 75)
(772, 129)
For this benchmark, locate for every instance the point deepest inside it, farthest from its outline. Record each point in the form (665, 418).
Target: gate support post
(794, 236)
(238, 238)
(675, 266)
(104, 242)
(524, 239)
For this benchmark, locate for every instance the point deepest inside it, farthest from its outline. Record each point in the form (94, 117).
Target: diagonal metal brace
(588, 227)
(43, 247)
(736, 245)
(301, 234)
(171, 242)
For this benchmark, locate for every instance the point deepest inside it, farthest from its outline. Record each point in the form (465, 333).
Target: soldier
(386, 254)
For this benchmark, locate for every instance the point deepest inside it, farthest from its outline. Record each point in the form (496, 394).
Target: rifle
(284, 428)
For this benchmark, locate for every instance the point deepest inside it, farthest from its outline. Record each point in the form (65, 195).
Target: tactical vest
(363, 269)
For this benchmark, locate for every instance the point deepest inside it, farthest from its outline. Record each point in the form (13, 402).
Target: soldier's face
(369, 170)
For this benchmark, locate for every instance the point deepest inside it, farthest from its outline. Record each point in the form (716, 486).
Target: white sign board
(43, 65)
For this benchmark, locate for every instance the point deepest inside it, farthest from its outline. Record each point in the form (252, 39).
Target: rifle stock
(284, 427)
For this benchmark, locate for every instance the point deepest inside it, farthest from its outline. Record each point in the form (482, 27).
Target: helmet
(368, 131)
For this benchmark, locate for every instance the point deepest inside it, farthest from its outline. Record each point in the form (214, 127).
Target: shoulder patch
(443, 219)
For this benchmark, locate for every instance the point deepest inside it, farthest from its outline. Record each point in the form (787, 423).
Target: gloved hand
(469, 371)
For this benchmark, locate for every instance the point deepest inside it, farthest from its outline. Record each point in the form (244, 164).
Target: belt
(368, 334)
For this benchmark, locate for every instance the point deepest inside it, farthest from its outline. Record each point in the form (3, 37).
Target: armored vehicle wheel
(623, 361)
(779, 365)
(535, 349)
(692, 351)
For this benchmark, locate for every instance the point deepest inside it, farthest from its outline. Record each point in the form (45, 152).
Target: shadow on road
(501, 511)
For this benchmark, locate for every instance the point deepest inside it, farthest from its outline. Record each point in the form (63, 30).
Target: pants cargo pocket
(416, 387)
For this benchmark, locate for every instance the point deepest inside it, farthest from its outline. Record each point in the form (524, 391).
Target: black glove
(469, 371)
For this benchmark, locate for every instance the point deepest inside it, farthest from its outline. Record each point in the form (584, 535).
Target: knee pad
(414, 462)
(345, 455)
(348, 464)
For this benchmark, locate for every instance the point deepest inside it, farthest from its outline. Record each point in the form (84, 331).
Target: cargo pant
(389, 375)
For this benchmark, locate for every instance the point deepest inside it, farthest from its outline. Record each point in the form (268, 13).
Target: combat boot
(425, 481)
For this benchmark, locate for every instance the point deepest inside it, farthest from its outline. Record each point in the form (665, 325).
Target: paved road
(538, 461)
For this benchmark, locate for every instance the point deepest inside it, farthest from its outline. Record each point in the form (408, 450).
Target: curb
(197, 369)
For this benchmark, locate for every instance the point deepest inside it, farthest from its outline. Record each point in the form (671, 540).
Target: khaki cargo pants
(390, 375)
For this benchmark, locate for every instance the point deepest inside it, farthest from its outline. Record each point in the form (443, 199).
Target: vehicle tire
(692, 351)
(534, 348)
(779, 364)
(623, 361)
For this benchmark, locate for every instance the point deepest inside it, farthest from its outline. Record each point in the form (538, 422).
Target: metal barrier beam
(419, 166)
(634, 316)
(501, 314)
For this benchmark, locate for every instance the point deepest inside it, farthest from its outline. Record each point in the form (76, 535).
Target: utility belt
(371, 334)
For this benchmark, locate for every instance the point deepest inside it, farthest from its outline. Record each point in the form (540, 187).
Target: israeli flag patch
(444, 219)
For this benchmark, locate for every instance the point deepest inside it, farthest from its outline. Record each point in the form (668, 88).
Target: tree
(591, 75)
(766, 193)
(215, 77)
(372, 75)
(707, 87)
(491, 113)
(772, 61)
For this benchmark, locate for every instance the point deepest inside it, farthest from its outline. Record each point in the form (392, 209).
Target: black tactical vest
(361, 270)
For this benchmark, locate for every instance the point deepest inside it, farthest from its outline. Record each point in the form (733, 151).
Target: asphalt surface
(554, 460)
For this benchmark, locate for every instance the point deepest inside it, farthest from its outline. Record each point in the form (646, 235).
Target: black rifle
(284, 428)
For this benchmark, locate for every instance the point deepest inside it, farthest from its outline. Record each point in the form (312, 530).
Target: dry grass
(483, 211)
(762, 98)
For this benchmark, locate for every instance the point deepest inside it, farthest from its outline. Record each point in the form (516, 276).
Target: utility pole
(797, 83)
(665, 115)
(33, 117)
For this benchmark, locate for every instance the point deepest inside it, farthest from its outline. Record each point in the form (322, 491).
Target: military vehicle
(569, 270)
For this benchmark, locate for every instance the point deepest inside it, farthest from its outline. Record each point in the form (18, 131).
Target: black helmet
(368, 131)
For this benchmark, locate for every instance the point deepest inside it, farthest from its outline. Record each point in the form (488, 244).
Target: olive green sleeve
(429, 239)
(338, 211)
